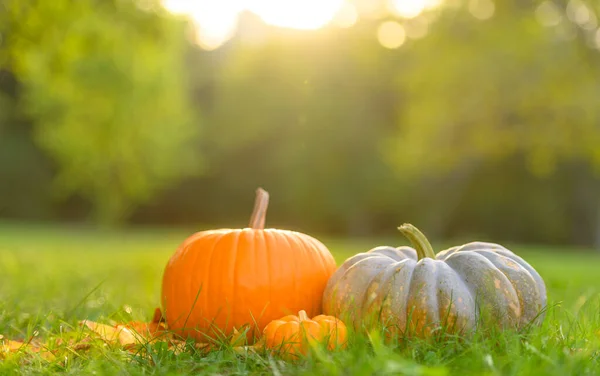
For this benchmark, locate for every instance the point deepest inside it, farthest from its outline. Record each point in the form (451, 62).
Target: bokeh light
(482, 9)
(578, 12)
(391, 34)
(548, 14)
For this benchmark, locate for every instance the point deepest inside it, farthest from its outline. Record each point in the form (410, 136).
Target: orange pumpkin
(292, 335)
(219, 280)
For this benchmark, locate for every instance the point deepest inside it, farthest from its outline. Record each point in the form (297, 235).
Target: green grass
(51, 277)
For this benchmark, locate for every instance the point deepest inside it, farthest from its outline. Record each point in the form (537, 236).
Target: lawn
(51, 277)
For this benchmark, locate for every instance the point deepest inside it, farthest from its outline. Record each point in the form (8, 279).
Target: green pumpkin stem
(418, 240)
(257, 220)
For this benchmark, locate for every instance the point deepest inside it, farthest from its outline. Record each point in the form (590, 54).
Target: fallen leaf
(120, 334)
(8, 346)
(238, 338)
(128, 335)
(42, 351)
(147, 331)
(131, 333)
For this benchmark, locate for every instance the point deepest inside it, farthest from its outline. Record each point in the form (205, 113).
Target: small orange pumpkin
(292, 335)
(219, 280)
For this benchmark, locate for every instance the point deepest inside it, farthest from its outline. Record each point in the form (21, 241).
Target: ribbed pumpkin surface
(417, 292)
(221, 279)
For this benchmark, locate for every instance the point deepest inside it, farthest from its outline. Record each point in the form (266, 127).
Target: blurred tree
(24, 170)
(103, 82)
(486, 127)
(313, 111)
(514, 83)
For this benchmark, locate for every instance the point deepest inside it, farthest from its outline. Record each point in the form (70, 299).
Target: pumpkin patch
(406, 293)
(415, 291)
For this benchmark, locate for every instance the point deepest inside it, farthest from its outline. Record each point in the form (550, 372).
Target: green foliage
(507, 86)
(26, 173)
(483, 129)
(104, 84)
(119, 279)
(311, 131)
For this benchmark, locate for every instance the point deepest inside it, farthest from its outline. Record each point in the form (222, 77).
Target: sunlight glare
(176, 6)
(296, 14)
(215, 22)
(411, 8)
(347, 16)
(407, 8)
(369, 9)
(432, 4)
(214, 36)
(391, 34)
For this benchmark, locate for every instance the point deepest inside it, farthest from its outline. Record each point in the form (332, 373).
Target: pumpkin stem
(418, 240)
(303, 316)
(257, 220)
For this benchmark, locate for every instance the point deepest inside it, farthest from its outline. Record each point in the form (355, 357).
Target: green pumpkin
(415, 291)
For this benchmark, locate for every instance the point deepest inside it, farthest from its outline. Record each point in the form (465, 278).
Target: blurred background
(468, 118)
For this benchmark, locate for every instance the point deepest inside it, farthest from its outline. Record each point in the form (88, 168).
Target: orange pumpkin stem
(302, 315)
(257, 220)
